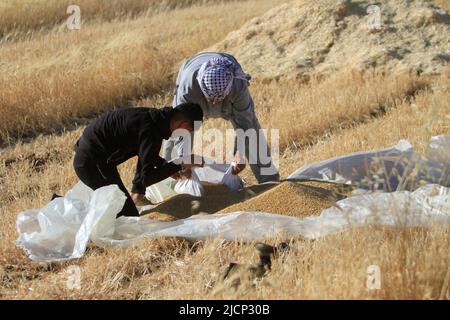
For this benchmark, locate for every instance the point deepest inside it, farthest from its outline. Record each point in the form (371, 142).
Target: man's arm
(138, 187)
(179, 97)
(176, 144)
(153, 168)
(186, 90)
(244, 118)
(177, 147)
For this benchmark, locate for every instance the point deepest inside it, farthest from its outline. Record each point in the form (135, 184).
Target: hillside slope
(305, 38)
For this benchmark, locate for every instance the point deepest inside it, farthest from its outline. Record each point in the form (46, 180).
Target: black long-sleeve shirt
(124, 133)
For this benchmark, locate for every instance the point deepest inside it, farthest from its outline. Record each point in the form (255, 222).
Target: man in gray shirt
(217, 83)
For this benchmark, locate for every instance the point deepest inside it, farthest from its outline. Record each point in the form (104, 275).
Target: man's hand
(237, 168)
(139, 199)
(184, 174)
(192, 161)
(187, 163)
(176, 176)
(238, 164)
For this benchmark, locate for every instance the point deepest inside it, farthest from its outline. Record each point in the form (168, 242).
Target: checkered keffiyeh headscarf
(216, 78)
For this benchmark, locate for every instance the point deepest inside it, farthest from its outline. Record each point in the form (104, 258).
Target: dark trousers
(97, 174)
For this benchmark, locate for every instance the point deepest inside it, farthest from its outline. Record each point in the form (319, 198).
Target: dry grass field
(54, 81)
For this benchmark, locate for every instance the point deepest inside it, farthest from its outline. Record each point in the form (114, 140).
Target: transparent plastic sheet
(59, 239)
(391, 169)
(438, 151)
(61, 229)
(426, 207)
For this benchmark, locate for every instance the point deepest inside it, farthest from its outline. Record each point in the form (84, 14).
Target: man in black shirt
(124, 133)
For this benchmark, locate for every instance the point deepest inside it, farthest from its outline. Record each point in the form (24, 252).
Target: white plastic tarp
(395, 168)
(47, 237)
(438, 151)
(61, 229)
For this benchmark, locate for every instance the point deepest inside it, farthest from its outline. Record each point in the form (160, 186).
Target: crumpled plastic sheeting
(425, 207)
(391, 169)
(62, 229)
(438, 150)
(67, 223)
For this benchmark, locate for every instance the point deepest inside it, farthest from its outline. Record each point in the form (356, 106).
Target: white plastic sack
(61, 230)
(220, 173)
(390, 169)
(161, 191)
(213, 173)
(192, 186)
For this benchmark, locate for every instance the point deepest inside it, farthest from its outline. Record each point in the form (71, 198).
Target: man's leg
(96, 176)
(129, 208)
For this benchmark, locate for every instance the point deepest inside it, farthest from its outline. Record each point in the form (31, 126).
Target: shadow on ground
(297, 198)
(215, 198)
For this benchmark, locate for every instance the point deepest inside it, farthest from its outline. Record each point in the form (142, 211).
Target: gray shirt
(237, 107)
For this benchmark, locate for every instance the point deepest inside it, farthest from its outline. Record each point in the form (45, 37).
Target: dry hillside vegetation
(23, 19)
(61, 79)
(51, 80)
(309, 38)
(414, 262)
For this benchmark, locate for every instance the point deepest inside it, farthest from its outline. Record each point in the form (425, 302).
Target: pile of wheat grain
(288, 198)
(297, 199)
(214, 199)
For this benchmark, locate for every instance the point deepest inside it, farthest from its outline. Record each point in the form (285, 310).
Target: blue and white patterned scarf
(216, 78)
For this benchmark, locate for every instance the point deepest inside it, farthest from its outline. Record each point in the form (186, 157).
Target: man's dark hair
(188, 111)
